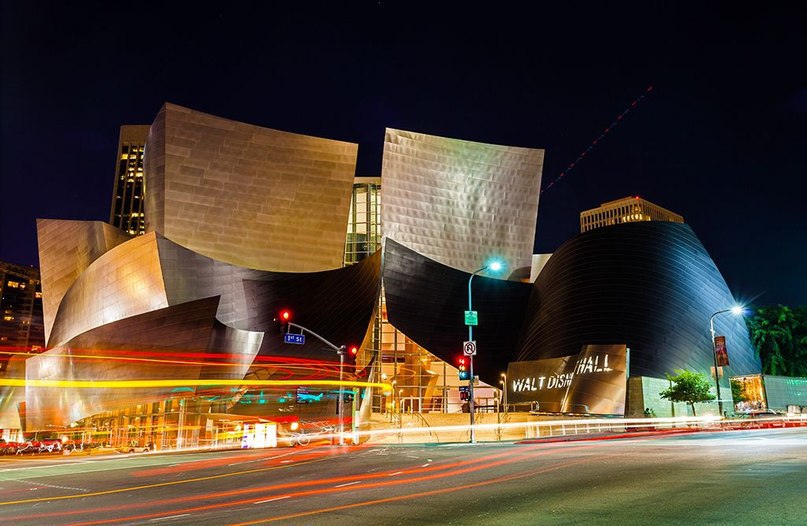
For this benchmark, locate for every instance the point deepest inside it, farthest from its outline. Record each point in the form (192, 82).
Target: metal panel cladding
(650, 285)
(426, 300)
(66, 249)
(162, 344)
(246, 195)
(124, 282)
(460, 202)
(591, 382)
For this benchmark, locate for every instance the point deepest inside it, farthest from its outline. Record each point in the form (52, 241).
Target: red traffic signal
(350, 354)
(462, 368)
(283, 318)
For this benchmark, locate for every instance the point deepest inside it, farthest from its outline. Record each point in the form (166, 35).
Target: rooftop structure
(625, 210)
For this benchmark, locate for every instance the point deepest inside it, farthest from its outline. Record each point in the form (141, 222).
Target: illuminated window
(8, 318)
(14, 284)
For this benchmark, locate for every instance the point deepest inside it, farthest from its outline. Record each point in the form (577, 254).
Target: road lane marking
(348, 484)
(40, 485)
(396, 473)
(272, 500)
(157, 485)
(170, 517)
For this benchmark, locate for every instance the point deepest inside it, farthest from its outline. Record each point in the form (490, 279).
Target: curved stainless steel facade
(243, 194)
(244, 221)
(460, 202)
(650, 285)
(152, 295)
(66, 250)
(426, 301)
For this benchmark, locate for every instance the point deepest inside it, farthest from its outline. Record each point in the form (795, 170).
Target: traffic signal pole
(471, 361)
(340, 350)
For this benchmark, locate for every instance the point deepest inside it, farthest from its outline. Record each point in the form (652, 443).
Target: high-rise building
(21, 326)
(625, 210)
(127, 212)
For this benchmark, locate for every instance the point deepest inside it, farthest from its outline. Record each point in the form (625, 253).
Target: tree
(779, 335)
(688, 387)
(738, 393)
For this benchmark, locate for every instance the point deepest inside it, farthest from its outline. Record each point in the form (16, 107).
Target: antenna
(596, 141)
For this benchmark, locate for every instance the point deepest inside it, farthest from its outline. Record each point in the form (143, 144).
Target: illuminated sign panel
(721, 352)
(591, 382)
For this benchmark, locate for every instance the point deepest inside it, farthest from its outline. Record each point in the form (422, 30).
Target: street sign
(471, 317)
(297, 339)
(469, 348)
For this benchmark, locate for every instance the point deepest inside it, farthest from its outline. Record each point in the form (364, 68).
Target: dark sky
(721, 140)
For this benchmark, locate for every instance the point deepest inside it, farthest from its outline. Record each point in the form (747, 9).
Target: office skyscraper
(128, 196)
(21, 326)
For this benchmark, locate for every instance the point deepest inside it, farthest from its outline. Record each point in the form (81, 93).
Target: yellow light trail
(124, 384)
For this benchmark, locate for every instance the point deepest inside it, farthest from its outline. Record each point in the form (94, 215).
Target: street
(723, 477)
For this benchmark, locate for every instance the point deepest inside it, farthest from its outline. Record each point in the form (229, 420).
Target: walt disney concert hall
(176, 329)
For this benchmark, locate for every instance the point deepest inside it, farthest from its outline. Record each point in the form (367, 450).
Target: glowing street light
(737, 310)
(471, 320)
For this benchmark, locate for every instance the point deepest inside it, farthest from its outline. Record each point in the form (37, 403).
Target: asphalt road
(732, 477)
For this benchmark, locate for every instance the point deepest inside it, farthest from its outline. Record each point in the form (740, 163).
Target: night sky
(721, 139)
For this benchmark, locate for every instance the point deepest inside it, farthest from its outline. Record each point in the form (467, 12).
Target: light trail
(434, 472)
(455, 471)
(149, 486)
(451, 489)
(130, 384)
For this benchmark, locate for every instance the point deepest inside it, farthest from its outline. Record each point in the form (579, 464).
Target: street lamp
(503, 381)
(494, 266)
(341, 402)
(736, 310)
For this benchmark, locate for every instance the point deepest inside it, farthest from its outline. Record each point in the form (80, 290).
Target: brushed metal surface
(142, 347)
(650, 285)
(125, 281)
(426, 300)
(66, 249)
(594, 381)
(460, 202)
(150, 294)
(251, 196)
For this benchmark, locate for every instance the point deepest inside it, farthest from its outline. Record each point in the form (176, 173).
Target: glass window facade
(422, 382)
(129, 194)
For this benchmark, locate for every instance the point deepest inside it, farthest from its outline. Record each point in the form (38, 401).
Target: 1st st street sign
(297, 339)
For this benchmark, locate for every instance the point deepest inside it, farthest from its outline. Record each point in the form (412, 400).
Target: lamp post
(504, 390)
(737, 310)
(341, 352)
(495, 265)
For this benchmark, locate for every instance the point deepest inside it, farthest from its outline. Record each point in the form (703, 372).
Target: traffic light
(350, 354)
(464, 394)
(462, 368)
(283, 319)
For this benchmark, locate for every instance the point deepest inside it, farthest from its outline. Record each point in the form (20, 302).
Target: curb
(615, 436)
